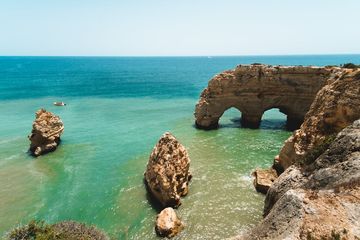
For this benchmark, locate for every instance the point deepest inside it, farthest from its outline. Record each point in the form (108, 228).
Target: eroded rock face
(46, 132)
(336, 106)
(253, 89)
(167, 223)
(319, 201)
(167, 174)
(264, 179)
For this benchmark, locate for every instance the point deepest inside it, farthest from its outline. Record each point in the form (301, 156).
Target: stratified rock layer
(336, 106)
(253, 89)
(167, 174)
(46, 132)
(167, 223)
(320, 201)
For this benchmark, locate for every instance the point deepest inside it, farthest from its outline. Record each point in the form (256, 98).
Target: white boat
(59, 103)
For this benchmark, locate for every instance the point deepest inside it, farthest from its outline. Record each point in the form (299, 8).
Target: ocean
(117, 109)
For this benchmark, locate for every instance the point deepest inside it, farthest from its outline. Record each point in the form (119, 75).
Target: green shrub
(349, 65)
(67, 230)
(34, 230)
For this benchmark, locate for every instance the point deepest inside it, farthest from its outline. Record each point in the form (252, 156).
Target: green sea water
(116, 111)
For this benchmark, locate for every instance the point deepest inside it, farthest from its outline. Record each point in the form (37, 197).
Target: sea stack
(46, 132)
(167, 223)
(167, 174)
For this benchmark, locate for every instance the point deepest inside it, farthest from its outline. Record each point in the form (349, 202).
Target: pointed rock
(167, 174)
(46, 132)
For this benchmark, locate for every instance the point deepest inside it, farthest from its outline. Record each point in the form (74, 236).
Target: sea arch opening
(230, 118)
(273, 118)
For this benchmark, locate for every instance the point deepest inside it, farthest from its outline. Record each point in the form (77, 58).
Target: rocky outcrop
(336, 106)
(264, 179)
(253, 89)
(167, 174)
(320, 200)
(46, 132)
(167, 223)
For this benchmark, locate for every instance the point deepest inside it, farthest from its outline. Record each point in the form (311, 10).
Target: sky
(178, 28)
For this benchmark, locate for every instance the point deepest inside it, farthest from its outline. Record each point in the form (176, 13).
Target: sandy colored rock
(264, 179)
(318, 201)
(167, 174)
(167, 223)
(46, 132)
(336, 106)
(253, 89)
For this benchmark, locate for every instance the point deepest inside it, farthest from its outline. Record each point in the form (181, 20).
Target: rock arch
(253, 89)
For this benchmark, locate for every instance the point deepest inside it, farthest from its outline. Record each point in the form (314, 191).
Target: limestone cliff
(253, 89)
(46, 131)
(336, 106)
(167, 174)
(320, 201)
(318, 194)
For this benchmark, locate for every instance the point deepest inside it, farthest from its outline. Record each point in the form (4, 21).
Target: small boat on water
(59, 103)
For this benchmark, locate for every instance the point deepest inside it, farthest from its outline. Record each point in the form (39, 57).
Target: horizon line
(159, 56)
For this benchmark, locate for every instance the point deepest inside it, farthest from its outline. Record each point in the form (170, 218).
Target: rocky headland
(253, 89)
(317, 193)
(46, 131)
(336, 106)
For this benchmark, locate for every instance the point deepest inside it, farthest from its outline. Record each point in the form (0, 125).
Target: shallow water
(117, 110)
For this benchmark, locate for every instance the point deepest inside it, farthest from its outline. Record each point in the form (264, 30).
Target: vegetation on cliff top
(349, 65)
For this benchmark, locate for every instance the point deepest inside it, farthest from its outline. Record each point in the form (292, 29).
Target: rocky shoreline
(312, 190)
(317, 193)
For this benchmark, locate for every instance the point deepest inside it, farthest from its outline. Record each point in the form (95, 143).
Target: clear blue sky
(181, 27)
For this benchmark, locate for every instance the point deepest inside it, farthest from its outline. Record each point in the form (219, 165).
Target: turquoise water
(117, 110)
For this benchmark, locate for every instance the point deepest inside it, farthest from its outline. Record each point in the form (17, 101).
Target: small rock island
(167, 179)
(167, 174)
(46, 131)
(167, 223)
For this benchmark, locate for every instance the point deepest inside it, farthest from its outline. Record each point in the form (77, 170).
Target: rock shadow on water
(154, 203)
(273, 124)
(267, 124)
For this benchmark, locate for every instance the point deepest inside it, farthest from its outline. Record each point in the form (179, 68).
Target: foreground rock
(320, 201)
(46, 132)
(167, 223)
(60, 231)
(167, 174)
(253, 89)
(264, 179)
(336, 106)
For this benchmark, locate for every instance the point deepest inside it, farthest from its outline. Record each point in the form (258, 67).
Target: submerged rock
(167, 174)
(264, 179)
(167, 223)
(46, 132)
